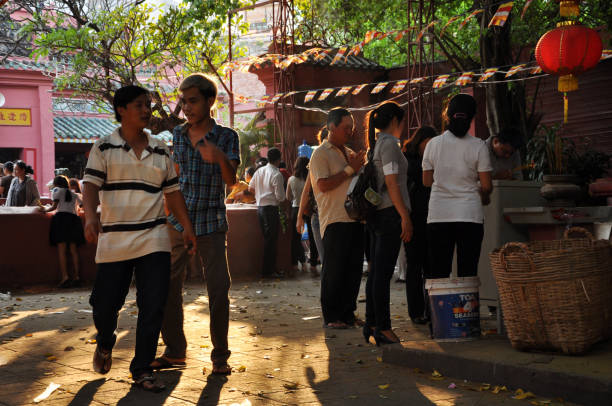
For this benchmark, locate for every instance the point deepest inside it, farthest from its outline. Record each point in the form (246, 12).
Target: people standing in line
(504, 154)
(309, 213)
(268, 187)
(66, 229)
(295, 186)
(23, 190)
(390, 224)
(332, 166)
(129, 173)
(5, 181)
(416, 249)
(207, 155)
(457, 167)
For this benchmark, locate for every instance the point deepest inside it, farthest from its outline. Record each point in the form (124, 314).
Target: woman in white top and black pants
(457, 167)
(391, 223)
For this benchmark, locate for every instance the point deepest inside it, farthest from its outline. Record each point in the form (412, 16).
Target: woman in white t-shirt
(295, 186)
(66, 228)
(457, 167)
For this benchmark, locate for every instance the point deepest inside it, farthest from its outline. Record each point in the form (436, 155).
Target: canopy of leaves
(105, 44)
(341, 22)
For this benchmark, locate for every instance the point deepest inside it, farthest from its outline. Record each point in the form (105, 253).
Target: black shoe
(367, 333)
(419, 320)
(380, 338)
(274, 275)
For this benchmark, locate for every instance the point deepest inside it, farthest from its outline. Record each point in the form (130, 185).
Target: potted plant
(550, 157)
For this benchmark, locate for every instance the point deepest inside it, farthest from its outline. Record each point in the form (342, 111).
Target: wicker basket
(556, 295)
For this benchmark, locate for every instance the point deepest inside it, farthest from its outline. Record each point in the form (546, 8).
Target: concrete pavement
(281, 355)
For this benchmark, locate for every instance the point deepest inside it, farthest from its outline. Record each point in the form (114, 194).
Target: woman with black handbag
(390, 224)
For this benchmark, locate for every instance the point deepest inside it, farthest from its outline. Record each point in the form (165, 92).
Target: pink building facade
(24, 87)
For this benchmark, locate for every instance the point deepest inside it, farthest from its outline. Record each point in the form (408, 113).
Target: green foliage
(548, 153)
(112, 44)
(252, 139)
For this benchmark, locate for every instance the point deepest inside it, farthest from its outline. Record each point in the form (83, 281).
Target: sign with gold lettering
(18, 117)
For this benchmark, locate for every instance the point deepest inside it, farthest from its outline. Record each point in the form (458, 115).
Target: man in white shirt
(268, 187)
(332, 166)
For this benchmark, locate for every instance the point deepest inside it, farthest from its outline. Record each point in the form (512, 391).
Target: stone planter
(561, 190)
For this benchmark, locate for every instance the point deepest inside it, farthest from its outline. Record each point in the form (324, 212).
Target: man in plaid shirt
(207, 155)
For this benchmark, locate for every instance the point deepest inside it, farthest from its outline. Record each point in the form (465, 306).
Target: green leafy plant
(548, 153)
(590, 164)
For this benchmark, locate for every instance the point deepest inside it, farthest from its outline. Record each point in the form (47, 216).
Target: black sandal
(147, 382)
(102, 361)
(165, 363)
(222, 369)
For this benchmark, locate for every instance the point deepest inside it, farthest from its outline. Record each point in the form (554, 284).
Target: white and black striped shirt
(131, 197)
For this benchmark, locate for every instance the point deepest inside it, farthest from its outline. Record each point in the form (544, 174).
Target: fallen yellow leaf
(379, 359)
(29, 335)
(522, 395)
(241, 368)
(51, 358)
(291, 385)
(498, 389)
(204, 346)
(383, 387)
(204, 370)
(436, 374)
(484, 387)
(91, 341)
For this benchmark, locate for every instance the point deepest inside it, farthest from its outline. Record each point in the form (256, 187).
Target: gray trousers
(213, 254)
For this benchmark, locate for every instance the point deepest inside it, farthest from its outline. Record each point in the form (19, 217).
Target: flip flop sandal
(102, 361)
(337, 325)
(147, 382)
(165, 363)
(222, 369)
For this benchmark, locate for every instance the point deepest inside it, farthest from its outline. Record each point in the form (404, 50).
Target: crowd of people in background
(158, 207)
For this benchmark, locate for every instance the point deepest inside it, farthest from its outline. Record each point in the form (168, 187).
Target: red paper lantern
(566, 51)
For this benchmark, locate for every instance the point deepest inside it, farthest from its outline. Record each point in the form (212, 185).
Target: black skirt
(66, 227)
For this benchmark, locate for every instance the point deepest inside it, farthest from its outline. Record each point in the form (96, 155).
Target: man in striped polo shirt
(129, 173)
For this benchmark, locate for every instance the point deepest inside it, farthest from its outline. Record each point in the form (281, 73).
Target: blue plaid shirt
(201, 182)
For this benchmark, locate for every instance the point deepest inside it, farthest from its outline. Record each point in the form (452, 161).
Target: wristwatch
(348, 169)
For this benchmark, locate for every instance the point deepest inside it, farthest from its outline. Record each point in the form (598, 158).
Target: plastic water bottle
(304, 150)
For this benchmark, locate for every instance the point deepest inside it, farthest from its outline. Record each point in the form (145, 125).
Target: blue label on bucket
(455, 316)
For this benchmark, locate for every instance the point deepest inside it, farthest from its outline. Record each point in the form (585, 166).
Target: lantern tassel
(569, 8)
(567, 83)
(565, 108)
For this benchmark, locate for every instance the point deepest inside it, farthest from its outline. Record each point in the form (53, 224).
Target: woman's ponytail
(460, 113)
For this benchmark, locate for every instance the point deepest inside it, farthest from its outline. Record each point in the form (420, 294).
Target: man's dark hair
(336, 115)
(274, 155)
(282, 165)
(8, 166)
(510, 136)
(261, 161)
(126, 95)
(250, 171)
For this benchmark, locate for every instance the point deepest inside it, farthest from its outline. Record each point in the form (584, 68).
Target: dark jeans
(213, 255)
(385, 229)
(108, 295)
(342, 268)
(269, 220)
(297, 249)
(443, 237)
(417, 258)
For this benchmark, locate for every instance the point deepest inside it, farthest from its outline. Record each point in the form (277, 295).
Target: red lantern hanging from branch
(567, 51)
(569, 8)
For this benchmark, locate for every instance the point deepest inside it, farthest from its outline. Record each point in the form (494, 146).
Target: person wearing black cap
(458, 169)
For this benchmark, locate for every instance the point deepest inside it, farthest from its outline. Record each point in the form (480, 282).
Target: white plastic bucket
(455, 310)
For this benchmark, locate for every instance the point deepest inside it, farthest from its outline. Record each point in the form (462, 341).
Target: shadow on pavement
(86, 394)
(212, 391)
(138, 395)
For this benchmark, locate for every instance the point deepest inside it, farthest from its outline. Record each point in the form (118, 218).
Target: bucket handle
(579, 230)
(522, 248)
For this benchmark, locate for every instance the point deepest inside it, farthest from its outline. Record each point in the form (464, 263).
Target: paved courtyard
(280, 355)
